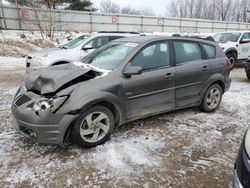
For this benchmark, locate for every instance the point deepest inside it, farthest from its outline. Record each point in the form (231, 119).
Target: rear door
(152, 91)
(191, 70)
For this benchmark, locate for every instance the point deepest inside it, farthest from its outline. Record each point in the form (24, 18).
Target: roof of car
(151, 38)
(242, 31)
(113, 34)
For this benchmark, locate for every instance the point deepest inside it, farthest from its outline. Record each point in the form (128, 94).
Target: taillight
(230, 63)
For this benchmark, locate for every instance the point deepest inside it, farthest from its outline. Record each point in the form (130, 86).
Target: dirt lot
(185, 148)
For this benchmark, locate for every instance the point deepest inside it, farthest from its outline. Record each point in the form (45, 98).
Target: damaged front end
(37, 105)
(53, 80)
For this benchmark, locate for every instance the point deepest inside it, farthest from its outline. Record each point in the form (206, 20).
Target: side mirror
(85, 48)
(244, 41)
(132, 70)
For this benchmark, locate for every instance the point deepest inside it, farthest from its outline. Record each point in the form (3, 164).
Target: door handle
(169, 75)
(205, 68)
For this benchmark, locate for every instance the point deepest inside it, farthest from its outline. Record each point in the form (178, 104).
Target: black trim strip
(150, 93)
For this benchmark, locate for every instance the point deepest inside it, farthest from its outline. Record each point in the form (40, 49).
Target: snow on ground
(185, 148)
(20, 43)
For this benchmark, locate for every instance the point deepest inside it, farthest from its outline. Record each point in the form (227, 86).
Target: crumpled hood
(52, 79)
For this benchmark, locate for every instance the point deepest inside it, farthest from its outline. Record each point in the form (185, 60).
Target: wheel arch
(232, 50)
(216, 79)
(116, 111)
(60, 62)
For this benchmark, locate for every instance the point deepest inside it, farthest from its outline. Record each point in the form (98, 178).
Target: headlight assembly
(247, 142)
(49, 104)
(40, 58)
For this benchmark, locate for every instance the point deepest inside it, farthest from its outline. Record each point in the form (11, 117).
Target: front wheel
(212, 98)
(93, 127)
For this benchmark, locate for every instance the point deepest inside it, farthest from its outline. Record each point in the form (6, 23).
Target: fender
(214, 78)
(89, 100)
(54, 58)
(231, 49)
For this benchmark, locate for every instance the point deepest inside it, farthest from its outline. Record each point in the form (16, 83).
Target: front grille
(21, 100)
(27, 65)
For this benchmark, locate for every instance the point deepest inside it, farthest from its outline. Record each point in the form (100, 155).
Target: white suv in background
(235, 44)
(72, 51)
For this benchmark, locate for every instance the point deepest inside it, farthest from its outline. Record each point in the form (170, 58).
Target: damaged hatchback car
(125, 80)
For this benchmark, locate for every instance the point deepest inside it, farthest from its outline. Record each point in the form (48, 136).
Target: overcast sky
(158, 6)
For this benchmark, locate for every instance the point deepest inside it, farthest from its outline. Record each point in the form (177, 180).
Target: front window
(75, 42)
(154, 56)
(109, 56)
(227, 37)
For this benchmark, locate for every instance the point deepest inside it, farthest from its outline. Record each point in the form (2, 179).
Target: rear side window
(97, 42)
(210, 51)
(115, 37)
(187, 51)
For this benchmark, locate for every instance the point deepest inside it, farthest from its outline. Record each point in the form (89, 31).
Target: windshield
(76, 42)
(227, 37)
(109, 56)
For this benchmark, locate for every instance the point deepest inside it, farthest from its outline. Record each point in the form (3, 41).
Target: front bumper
(242, 170)
(48, 128)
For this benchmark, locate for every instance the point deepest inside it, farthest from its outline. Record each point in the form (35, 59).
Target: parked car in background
(72, 51)
(247, 68)
(125, 80)
(235, 44)
(241, 177)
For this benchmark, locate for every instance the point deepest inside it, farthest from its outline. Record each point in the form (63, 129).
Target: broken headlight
(39, 59)
(49, 104)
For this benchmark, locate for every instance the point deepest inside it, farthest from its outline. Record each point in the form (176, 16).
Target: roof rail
(129, 32)
(210, 38)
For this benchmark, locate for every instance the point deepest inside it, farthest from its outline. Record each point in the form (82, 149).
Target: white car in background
(72, 51)
(235, 44)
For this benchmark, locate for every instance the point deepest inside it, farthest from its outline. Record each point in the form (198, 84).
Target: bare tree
(108, 6)
(129, 10)
(225, 10)
(147, 11)
(45, 20)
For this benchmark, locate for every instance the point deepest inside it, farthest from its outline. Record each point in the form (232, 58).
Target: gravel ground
(185, 148)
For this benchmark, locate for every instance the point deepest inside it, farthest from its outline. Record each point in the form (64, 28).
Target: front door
(152, 91)
(244, 47)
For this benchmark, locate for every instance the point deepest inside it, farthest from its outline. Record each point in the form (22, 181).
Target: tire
(212, 98)
(93, 127)
(248, 76)
(234, 59)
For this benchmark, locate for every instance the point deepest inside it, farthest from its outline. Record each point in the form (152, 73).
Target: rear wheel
(233, 59)
(93, 127)
(212, 98)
